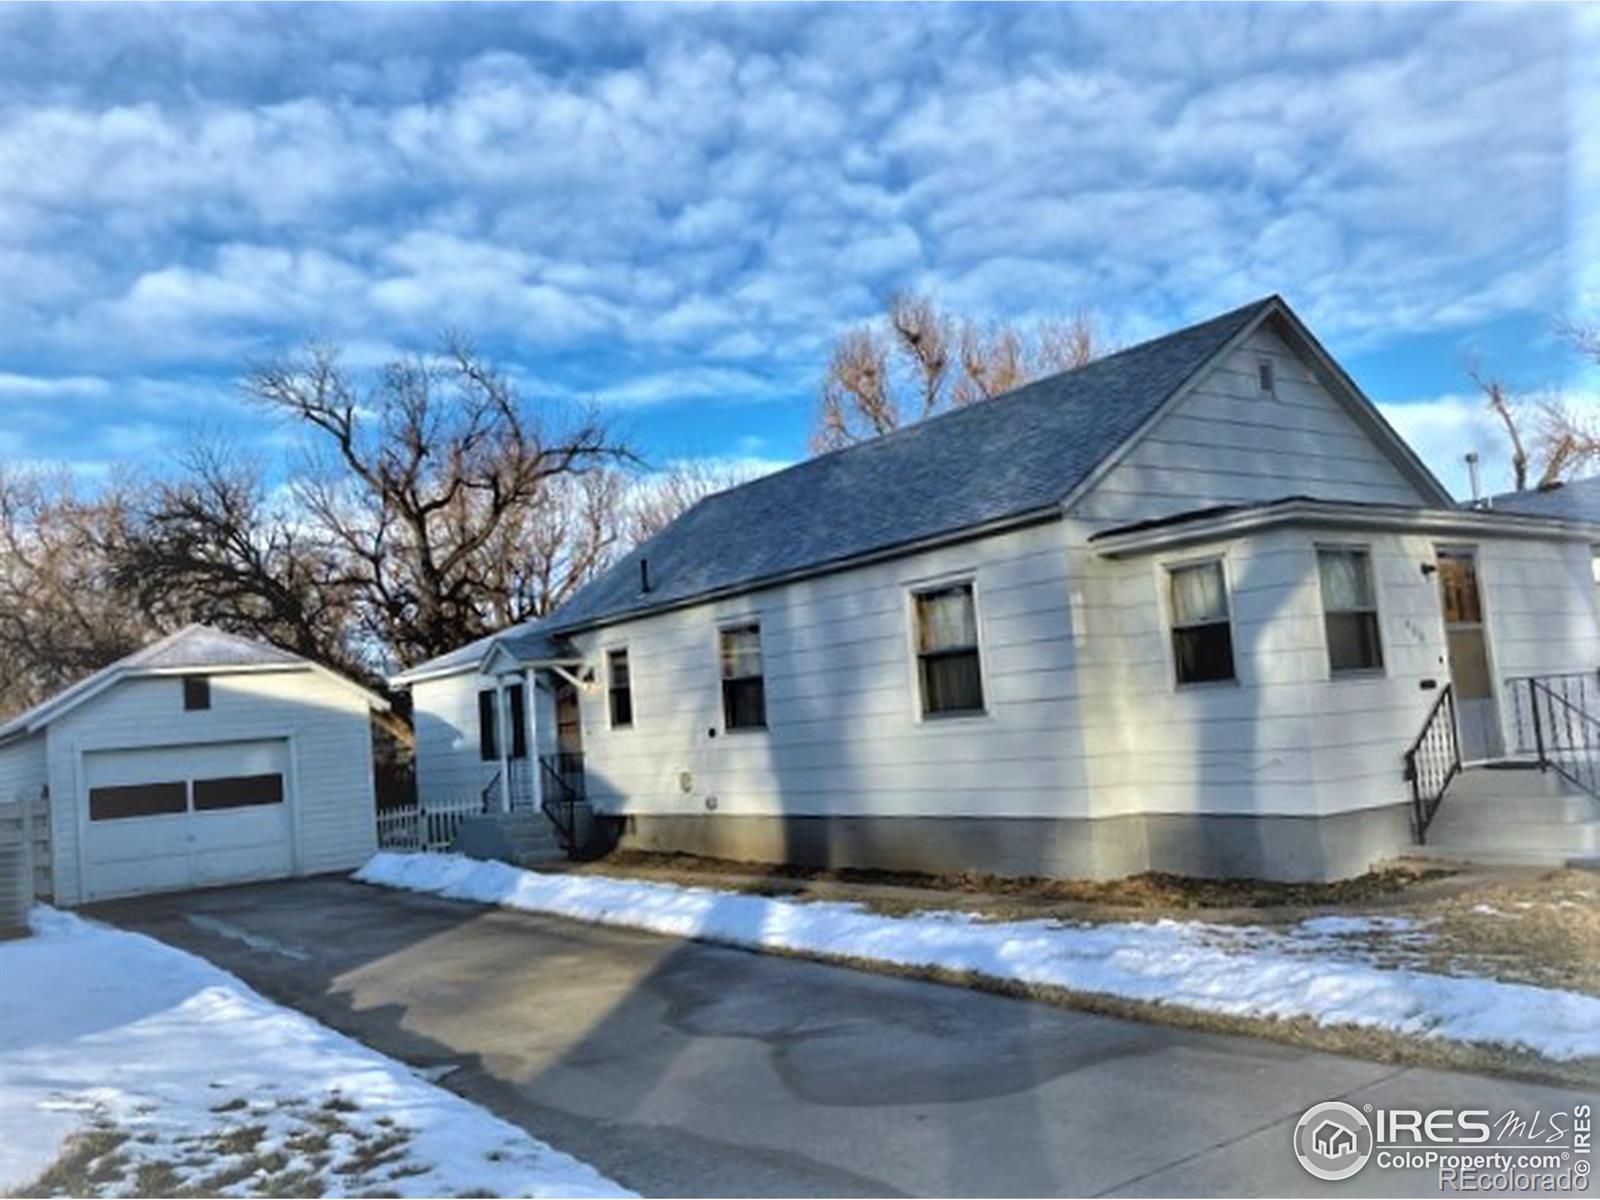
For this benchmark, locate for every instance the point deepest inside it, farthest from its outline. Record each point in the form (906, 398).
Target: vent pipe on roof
(1472, 475)
(644, 574)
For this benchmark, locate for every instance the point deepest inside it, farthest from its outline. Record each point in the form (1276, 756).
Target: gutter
(1132, 542)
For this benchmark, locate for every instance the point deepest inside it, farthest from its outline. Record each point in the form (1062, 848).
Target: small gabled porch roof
(1237, 520)
(530, 644)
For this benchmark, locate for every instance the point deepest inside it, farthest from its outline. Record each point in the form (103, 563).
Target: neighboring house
(201, 759)
(1185, 608)
(1573, 500)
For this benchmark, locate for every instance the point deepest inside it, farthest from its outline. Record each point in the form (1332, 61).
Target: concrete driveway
(684, 1069)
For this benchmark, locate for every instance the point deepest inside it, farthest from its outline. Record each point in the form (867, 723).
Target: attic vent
(644, 574)
(1264, 378)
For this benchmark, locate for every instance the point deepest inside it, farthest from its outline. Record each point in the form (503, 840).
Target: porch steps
(523, 839)
(1514, 815)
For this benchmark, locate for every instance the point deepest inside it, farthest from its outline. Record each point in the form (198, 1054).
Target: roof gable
(1219, 440)
(1007, 459)
(192, 649)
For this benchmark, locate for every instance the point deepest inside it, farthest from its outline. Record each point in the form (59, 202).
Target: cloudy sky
(670, 211)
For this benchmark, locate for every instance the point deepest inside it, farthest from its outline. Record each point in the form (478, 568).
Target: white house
(201, 759)
(1194, 607)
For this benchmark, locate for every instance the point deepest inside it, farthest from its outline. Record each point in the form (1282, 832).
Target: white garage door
(177, 817)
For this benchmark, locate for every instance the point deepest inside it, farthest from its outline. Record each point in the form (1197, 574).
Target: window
(1202, 640)
(237, 791)
(1594, 572)
(619, 689)
(517, 698)
(948, 669)
(488, 723)
(137, 800)
(1265, 380)
(196, 692)
(1349, 610)
(744, 690)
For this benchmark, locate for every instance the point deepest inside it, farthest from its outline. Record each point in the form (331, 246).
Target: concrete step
(519, 838)
(1514, 815)
(1502, 857)
(1575, 839)
(1512, 782)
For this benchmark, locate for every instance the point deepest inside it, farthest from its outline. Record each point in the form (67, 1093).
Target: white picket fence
(24, 859)
(425, 827)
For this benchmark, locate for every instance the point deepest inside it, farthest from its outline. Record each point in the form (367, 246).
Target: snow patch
(1250, 971)
(109, 1029)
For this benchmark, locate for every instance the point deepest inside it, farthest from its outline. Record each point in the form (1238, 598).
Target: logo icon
(1333, 1140)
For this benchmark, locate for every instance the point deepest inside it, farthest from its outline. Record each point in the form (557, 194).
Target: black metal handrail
(1433, 760)
(1565, 735)
(563, 793)
(485, 802)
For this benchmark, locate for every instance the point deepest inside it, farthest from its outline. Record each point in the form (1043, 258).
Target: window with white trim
(619, 688)
(1202, 633)
(1349, 609)
(744, 688)
(949, 671)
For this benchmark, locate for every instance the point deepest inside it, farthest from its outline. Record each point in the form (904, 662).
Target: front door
(1477, 716)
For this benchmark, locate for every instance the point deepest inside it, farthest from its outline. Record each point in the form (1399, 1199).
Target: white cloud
(35, 387)
(651, 198)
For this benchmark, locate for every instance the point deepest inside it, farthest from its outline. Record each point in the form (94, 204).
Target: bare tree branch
(919, 360)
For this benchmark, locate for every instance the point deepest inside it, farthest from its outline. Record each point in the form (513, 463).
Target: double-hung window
(1202, 635)
(619, 689)
(1349, 610)
(949, 672)
(744, 689)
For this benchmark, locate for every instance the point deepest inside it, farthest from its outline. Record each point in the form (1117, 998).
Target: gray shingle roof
(1574, 500)
(202, 646)
(531, 641)
(1018, 454)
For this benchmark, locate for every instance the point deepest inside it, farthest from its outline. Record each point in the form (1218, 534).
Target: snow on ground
(1245, 971)
(155, 1070)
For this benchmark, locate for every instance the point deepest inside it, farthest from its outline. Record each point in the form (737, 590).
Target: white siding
(445, 717)
(330, 736)
(1225, 442)
(23, 772)
(844, 729)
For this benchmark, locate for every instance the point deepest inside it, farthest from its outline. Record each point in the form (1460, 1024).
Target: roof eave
(1333, 514)
(966, 533)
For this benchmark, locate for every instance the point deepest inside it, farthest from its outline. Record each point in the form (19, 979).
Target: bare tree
(63, 612)
(1565, 439)
(1494, 392)
(429, 472)
(212, 545)
(919, 359)
(549, 549)
(657, 500)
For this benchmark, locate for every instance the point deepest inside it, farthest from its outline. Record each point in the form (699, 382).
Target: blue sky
(671, 211)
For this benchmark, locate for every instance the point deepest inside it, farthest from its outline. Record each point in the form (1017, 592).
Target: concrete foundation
(1290, 849)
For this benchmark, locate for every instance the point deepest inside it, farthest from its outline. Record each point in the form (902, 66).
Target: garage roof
(194, 649)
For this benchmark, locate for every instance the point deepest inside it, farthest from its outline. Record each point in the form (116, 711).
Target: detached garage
(203, 759)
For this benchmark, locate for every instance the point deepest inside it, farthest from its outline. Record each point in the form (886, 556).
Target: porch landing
(1513, 814)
